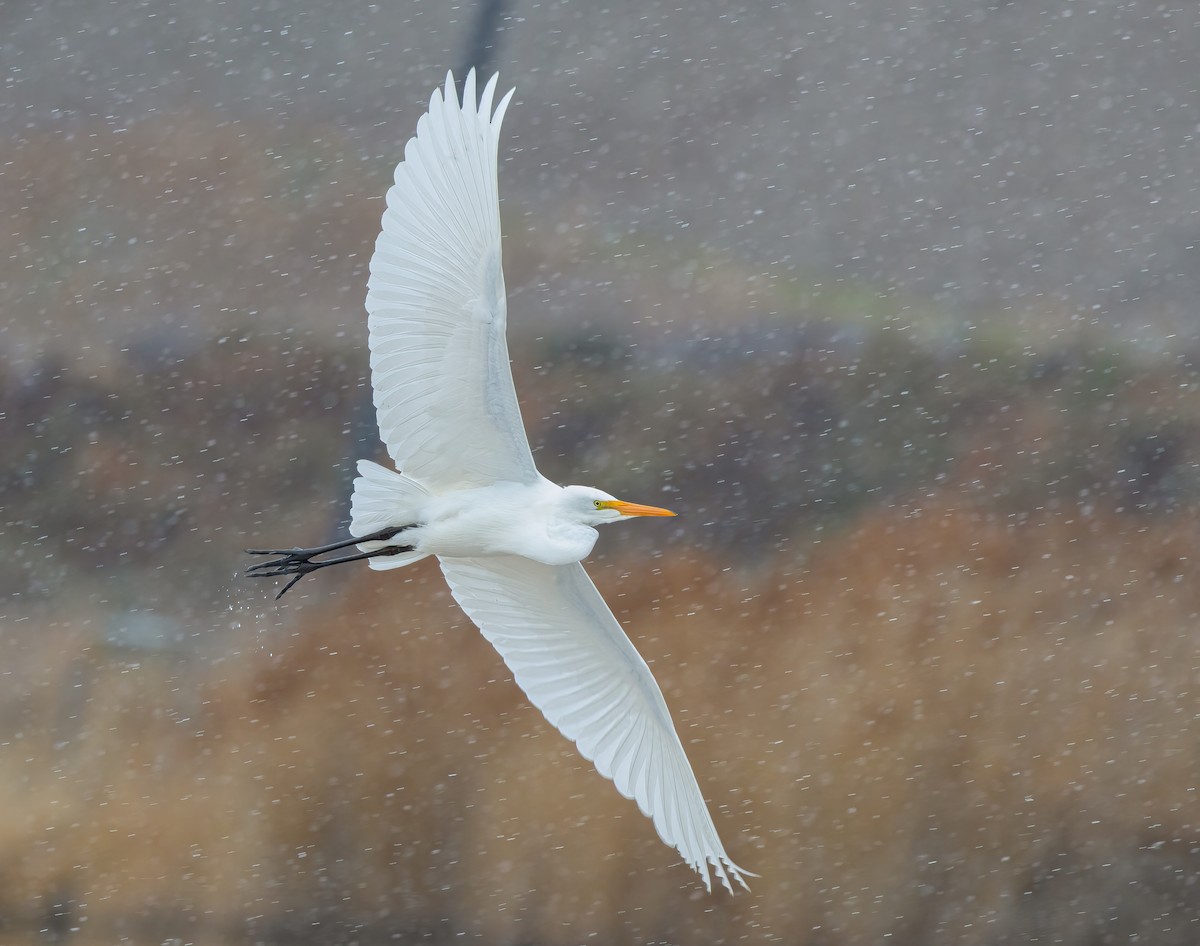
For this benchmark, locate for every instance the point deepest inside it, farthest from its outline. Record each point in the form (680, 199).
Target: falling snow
(896, 306)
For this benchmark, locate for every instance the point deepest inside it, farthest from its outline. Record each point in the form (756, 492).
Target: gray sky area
(993, 157)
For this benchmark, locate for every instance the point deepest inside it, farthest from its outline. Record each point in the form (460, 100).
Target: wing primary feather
(468, 88)
(489, 90)
(628, 755)
(474, 138)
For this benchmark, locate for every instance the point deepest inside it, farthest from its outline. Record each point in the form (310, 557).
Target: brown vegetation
(927, 623)
(945, 727)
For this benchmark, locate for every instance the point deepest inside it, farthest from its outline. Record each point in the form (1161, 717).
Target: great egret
(508, 540)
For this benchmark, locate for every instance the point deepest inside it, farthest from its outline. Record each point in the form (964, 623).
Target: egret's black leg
(299, 562)
(381, 536)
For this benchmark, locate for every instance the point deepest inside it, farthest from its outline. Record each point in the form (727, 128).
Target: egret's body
(508, 540)
(555, 525)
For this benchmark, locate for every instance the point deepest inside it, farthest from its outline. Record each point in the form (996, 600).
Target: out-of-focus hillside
(946, 727)
(143, 484)
(927, 623)
(178, 394)
(896, 308)
(1001, 157)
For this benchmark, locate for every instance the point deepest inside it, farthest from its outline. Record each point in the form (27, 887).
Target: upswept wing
(443, 390)
(570, 656)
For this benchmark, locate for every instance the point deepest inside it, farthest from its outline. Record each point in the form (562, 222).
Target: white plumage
(570, 656)
(439, 360)
(509, 541)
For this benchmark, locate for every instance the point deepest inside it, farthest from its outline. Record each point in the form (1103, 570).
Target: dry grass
(932, 648)
(944, 727)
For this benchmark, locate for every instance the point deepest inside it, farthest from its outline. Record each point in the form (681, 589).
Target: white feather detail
(444, 394)
(569, 654)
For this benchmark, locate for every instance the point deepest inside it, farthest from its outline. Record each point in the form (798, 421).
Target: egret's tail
(383, 498)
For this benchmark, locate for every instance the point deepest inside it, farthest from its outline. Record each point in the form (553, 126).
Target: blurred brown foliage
(927, 624)
(945, 727)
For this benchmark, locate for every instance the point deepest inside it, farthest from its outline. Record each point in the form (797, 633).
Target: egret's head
(596, 507)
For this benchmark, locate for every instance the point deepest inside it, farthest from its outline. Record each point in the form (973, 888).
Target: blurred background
(896, 307)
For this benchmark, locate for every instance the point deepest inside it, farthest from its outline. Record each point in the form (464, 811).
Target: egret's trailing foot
(299, 562)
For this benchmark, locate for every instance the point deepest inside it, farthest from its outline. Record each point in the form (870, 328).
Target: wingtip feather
(469, 100)
(489, 92)
(498, 115)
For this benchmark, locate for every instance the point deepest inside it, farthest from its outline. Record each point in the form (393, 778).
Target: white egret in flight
(508, 540)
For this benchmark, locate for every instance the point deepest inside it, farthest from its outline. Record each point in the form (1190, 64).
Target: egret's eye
(598, 504)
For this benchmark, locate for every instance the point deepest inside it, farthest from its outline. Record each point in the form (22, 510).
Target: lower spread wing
(570, 656)
(443, 390)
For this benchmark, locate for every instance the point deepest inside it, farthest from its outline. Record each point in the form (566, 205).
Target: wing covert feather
(443, 390)
(569, 654)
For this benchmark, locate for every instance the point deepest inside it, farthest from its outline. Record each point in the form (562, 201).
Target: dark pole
(481, 50)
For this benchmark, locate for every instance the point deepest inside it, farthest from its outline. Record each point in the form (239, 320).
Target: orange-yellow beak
(634, 509)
